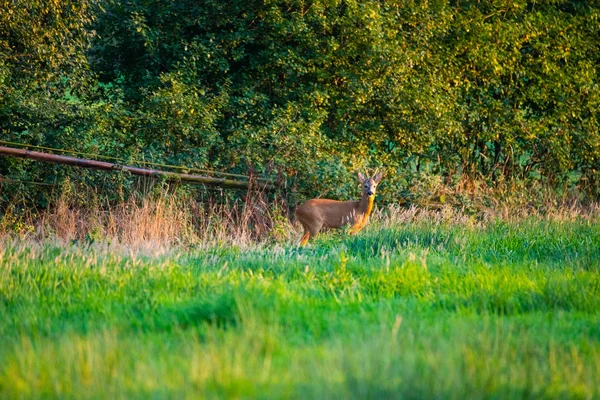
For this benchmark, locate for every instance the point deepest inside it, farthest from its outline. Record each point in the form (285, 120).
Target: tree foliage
(310, 90)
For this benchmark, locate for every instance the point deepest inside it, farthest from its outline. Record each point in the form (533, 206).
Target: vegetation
(482, 113)
(414, 307)
(307, 92)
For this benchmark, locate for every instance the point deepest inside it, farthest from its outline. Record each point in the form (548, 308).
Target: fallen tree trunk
(106, 166)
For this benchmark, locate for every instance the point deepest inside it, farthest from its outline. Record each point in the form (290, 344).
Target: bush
(310, 91)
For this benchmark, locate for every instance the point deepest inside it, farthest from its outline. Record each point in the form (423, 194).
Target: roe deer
(318, 213)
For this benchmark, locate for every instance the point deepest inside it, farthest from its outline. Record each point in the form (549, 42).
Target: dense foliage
(309, 90)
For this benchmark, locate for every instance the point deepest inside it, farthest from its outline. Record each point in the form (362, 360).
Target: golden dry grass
(169, 219)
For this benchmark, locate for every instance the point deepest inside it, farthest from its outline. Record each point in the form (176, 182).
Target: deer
(315, 214)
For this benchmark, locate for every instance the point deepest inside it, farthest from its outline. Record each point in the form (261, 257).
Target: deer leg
(310, 230)
(358, 225)
(304, 239)
(356, 228)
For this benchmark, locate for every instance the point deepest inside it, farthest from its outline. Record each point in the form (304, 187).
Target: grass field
(419, 310)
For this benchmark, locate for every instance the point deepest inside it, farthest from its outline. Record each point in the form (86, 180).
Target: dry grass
(448, 214)
(170, 219)
(153, 222)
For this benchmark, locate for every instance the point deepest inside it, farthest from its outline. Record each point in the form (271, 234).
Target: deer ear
(378, 176)
(361, 177)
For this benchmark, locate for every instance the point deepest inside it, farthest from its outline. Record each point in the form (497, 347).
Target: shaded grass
(420, 310)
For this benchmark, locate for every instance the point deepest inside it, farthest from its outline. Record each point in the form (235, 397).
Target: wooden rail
(153, 173)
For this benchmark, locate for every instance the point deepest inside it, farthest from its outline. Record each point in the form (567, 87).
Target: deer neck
(365, 205)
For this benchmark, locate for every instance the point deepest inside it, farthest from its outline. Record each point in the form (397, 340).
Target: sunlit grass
(420, 309)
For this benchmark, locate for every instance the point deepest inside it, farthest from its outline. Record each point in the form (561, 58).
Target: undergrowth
(168, 296)
(417, 305)
(158, 216)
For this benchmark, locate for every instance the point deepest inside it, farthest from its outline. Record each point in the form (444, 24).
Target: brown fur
(318, 213)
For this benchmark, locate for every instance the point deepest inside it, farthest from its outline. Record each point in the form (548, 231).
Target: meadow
(412, 307)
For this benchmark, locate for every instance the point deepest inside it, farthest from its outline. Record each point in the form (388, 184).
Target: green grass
(424, 310)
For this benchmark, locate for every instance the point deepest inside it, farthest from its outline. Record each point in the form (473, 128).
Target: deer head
(370, 184)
